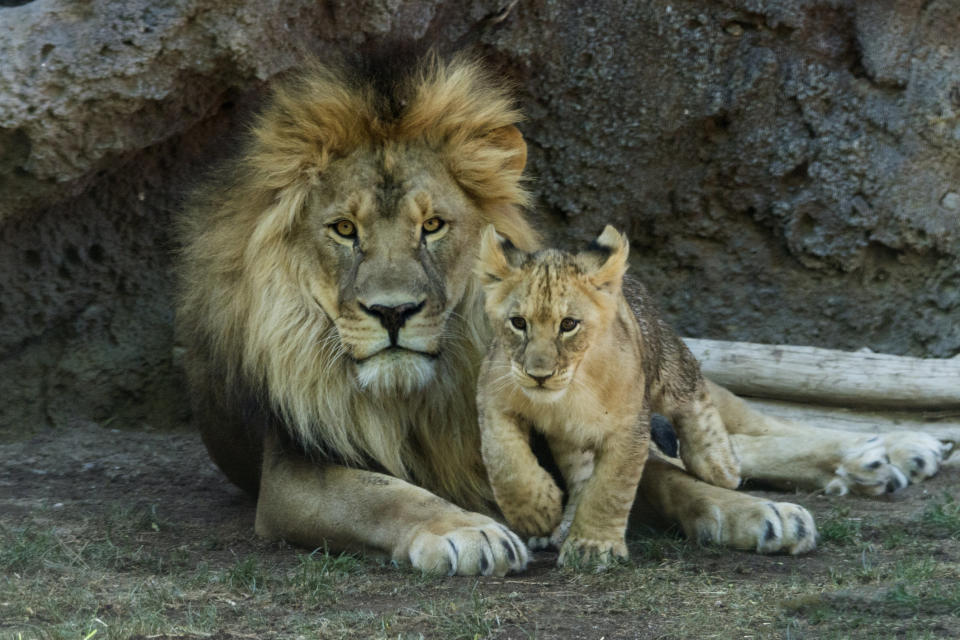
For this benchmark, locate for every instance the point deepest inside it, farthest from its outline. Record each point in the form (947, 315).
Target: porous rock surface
(788, 171)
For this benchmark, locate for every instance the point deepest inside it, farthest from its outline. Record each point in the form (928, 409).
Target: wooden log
(944, 425)
(829, 377)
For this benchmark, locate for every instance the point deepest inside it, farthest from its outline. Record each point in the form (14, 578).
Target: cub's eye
(518, 323)
(345, 229)
(568, 324)
(433, 225)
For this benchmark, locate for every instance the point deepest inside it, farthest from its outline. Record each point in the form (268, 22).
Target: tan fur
(253, 288)
(558, 379)
(588, 388)
(296, 394)
(273, 303)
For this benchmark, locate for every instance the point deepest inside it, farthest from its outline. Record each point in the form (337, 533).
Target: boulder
(787, 171)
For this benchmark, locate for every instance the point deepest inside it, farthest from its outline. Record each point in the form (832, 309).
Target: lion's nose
(540, 379)
(392, 318)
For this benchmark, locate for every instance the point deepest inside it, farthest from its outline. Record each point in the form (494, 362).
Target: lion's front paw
(887, 463)
(580, 552)
(555, 539)
(487, 549)
(537, 514)
(755, 525)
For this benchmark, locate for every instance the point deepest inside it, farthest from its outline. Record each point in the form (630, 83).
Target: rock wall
(788, 171)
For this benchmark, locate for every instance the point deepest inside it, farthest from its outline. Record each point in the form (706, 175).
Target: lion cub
(571, 359)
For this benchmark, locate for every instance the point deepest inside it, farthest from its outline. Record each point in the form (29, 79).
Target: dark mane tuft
(385, 66)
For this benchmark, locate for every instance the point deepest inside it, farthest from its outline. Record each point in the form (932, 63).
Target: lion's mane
(261, 352)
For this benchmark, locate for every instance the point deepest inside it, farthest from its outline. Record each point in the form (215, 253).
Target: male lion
(334, 328)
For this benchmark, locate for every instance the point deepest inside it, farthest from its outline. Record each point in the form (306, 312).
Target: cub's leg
(529, 499)
(597, 533)
(314, 504)
(576, 467)
(721, 516)
(705, 447)
(791, 455)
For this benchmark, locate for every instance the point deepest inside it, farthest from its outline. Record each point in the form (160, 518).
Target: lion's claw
(764, 527)
(888, 463)
(490, 549)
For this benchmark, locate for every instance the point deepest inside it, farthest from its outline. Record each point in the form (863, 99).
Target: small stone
(734, 29)
(951, 201)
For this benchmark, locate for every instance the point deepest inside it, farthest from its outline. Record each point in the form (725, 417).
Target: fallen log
(829, 377)
(941, 424)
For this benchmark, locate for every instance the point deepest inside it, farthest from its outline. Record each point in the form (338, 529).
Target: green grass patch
(942, 518)
(30, 549)
(925, 599)
(840, 528)
(246, 576)
(653, 545)
(319, 574)
(467, 619)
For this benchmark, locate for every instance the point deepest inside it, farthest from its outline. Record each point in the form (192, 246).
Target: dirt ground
(108, 533)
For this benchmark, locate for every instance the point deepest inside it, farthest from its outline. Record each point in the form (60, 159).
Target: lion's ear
(493, 265)
(510, 139)
(614, 247)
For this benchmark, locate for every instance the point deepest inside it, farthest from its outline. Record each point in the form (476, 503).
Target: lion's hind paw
(888, 463)
(756, 525)
(918, 455)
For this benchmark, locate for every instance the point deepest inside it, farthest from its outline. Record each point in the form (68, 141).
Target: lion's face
(549, 308)
(388, 253)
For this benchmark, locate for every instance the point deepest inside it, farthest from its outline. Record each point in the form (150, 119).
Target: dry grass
(131, 555)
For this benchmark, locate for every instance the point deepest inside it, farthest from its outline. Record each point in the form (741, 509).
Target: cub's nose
(392, 318)
(540, 379)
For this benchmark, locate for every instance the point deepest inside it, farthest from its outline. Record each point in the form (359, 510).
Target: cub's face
(386, 250)
(546, 318)
(549, 308)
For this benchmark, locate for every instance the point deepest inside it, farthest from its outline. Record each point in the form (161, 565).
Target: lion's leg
(721, 516)
(576, 467)
(793, 455)
(705, 447)
(603, 505)
(313, 505)
(527, 495)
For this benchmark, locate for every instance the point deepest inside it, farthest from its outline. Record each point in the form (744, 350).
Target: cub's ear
(493, 265)
(614, 248)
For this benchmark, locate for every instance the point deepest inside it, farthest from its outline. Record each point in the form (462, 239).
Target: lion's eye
(345, 229)
(568, 324)
(433, 225)
(518, 323)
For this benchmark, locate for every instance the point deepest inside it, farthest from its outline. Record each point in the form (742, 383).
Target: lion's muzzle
(392, 318)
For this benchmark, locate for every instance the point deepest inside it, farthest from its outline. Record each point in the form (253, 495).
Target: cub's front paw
(485, 548)
(536, 514)
(555, 539)
(581, 553)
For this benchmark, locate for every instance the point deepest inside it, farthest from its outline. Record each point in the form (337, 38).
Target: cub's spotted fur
(571, 359)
